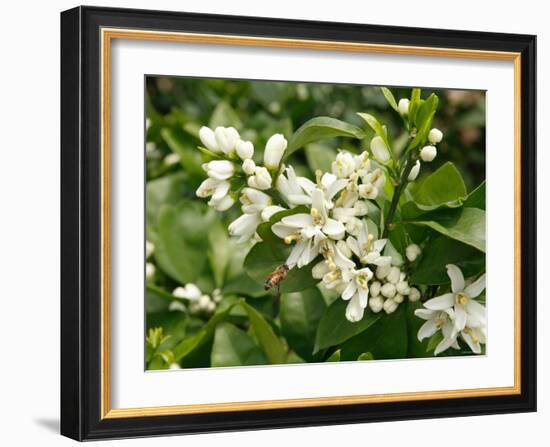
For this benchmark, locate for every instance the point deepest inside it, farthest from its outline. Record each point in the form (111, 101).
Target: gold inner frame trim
(107, 35)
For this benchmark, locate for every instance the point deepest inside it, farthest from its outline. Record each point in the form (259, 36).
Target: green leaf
(321, 128)
(233, 347)
(243, 284)
(319, 157)
(167, 190)
(334, 357)
(183, 240)
(365, 356)
(218, 251)
(265, 258)
(224, 116)
(334, 328)
(469, 228)
(476, 199)
(433, 341)
(190, 158)
(270, 343)
(380, 130)
(300, 315)
(390, 98)
(443, 187)
(441, 251)
(386, 339)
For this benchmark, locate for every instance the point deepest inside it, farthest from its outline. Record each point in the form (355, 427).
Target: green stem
(399, 188)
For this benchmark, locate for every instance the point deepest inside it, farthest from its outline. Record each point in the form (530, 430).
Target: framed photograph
(275, 223)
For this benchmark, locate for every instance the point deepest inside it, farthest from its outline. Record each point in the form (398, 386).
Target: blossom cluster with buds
(197, 302)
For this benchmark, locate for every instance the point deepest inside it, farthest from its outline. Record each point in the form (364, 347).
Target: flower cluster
(456, 314)
(198, 302)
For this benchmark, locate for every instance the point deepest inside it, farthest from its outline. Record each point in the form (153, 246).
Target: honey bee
(275, 278)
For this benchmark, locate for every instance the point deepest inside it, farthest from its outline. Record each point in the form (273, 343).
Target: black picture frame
(81, 223)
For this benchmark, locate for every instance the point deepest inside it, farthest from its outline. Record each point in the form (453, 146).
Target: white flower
(414, 294)
(435, 136)
(367, 249)
(174, 366)
(149, 249)
(467, 311)
(261, 178)
(249, 166)
(403, 288)
(398, 298)
(344, 165)
(375, 288)
(474, 337)
(357, 292)
(412, 252)
(190, 292)
(334, 256)
(171, 159)
(388, 290)
(437, 320)
(393, 275)
(245, 226)
(382, 271)
(344, 208)
(274, 150)
(219, 169)
(344, 248)
(353, 226)
(390, 306)
(211, 187)
(428, 153)
(403, 106)
(254, 201)
(361, 208)
(368, 191)
(379, 149)
(245, 150)
(208, 138)
(414, 171)
(330, 185)
(293, 188)
(149, 271)
(221, 204)
(309, 230)
(269, 211)
(227, 138)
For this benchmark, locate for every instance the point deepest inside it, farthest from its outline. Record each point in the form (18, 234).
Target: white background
(29, 188)
(132, 387)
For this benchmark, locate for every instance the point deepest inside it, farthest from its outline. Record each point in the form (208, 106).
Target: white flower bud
(344, 165)
(398, 298)
(414, 294)
(261, 178)
(227, 138)
(222, 204)
(176, 306)
(174, 366)
(414, 171)
(388, 290)
(217, 295)
(204, 301)
(208, 139)
(412, 252)
(245, 149)
(361, 208)
(382, 271)
(171, 159)
(379, 149)
(402, 287)
(150, 147)
(428, 153)
(320, 269)
(393, 275)
(344, 248)
(353, 226)
(274, 150)
(403, 106)
(390, 306)
(149, 271)
(269, 211)
(149, 249)
(210, 307)
(189, 292)
(249, 166)
(435, 136)
(219, 169)
(376, 303)
(374, 288)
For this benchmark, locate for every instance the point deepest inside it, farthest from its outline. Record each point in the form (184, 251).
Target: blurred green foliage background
(190, 240)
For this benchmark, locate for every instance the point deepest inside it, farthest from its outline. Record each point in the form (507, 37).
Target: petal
(363, 297)
(298, 199)
(349, 291)
(460, 317)
(382, 260)
(427, 330)
(379, 245)
(306, 184)
(335, 187)
(476, 310)
(295, 254)
(476, 287)
(475, 347)
(301, 220)
(444, 344)
(354, 311)
(270, 211)
(441, 302)
(354, 246)
(425, 314)
(282, 230)
(318, 202)
(334, 229)
(457, 279)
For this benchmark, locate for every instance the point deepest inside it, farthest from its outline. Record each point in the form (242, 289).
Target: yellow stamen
(316, 216)
(462, 298)
(293, 237)
(318, 175)
(367, 246)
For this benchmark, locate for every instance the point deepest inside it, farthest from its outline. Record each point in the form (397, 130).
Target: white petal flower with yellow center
(467, 311)
(367, 249)
(438, 320)
(295, 190)
(356, 292)
(344, 165)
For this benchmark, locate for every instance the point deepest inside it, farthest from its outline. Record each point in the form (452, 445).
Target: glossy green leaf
(380, 129)
(334, 357)
(390, 98)
(321, 128)
(234, 347)
(386, 339)
(264, 258)
(218, 251)
(190, 157)
(224, 116)
(365, 356)
(440, 251)
(443, 187)
(319, 157)
(269, 342)
(423, 117)
(469, 228)
(476, 199)
(300, 315)
(167, 190)
(334, 328)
